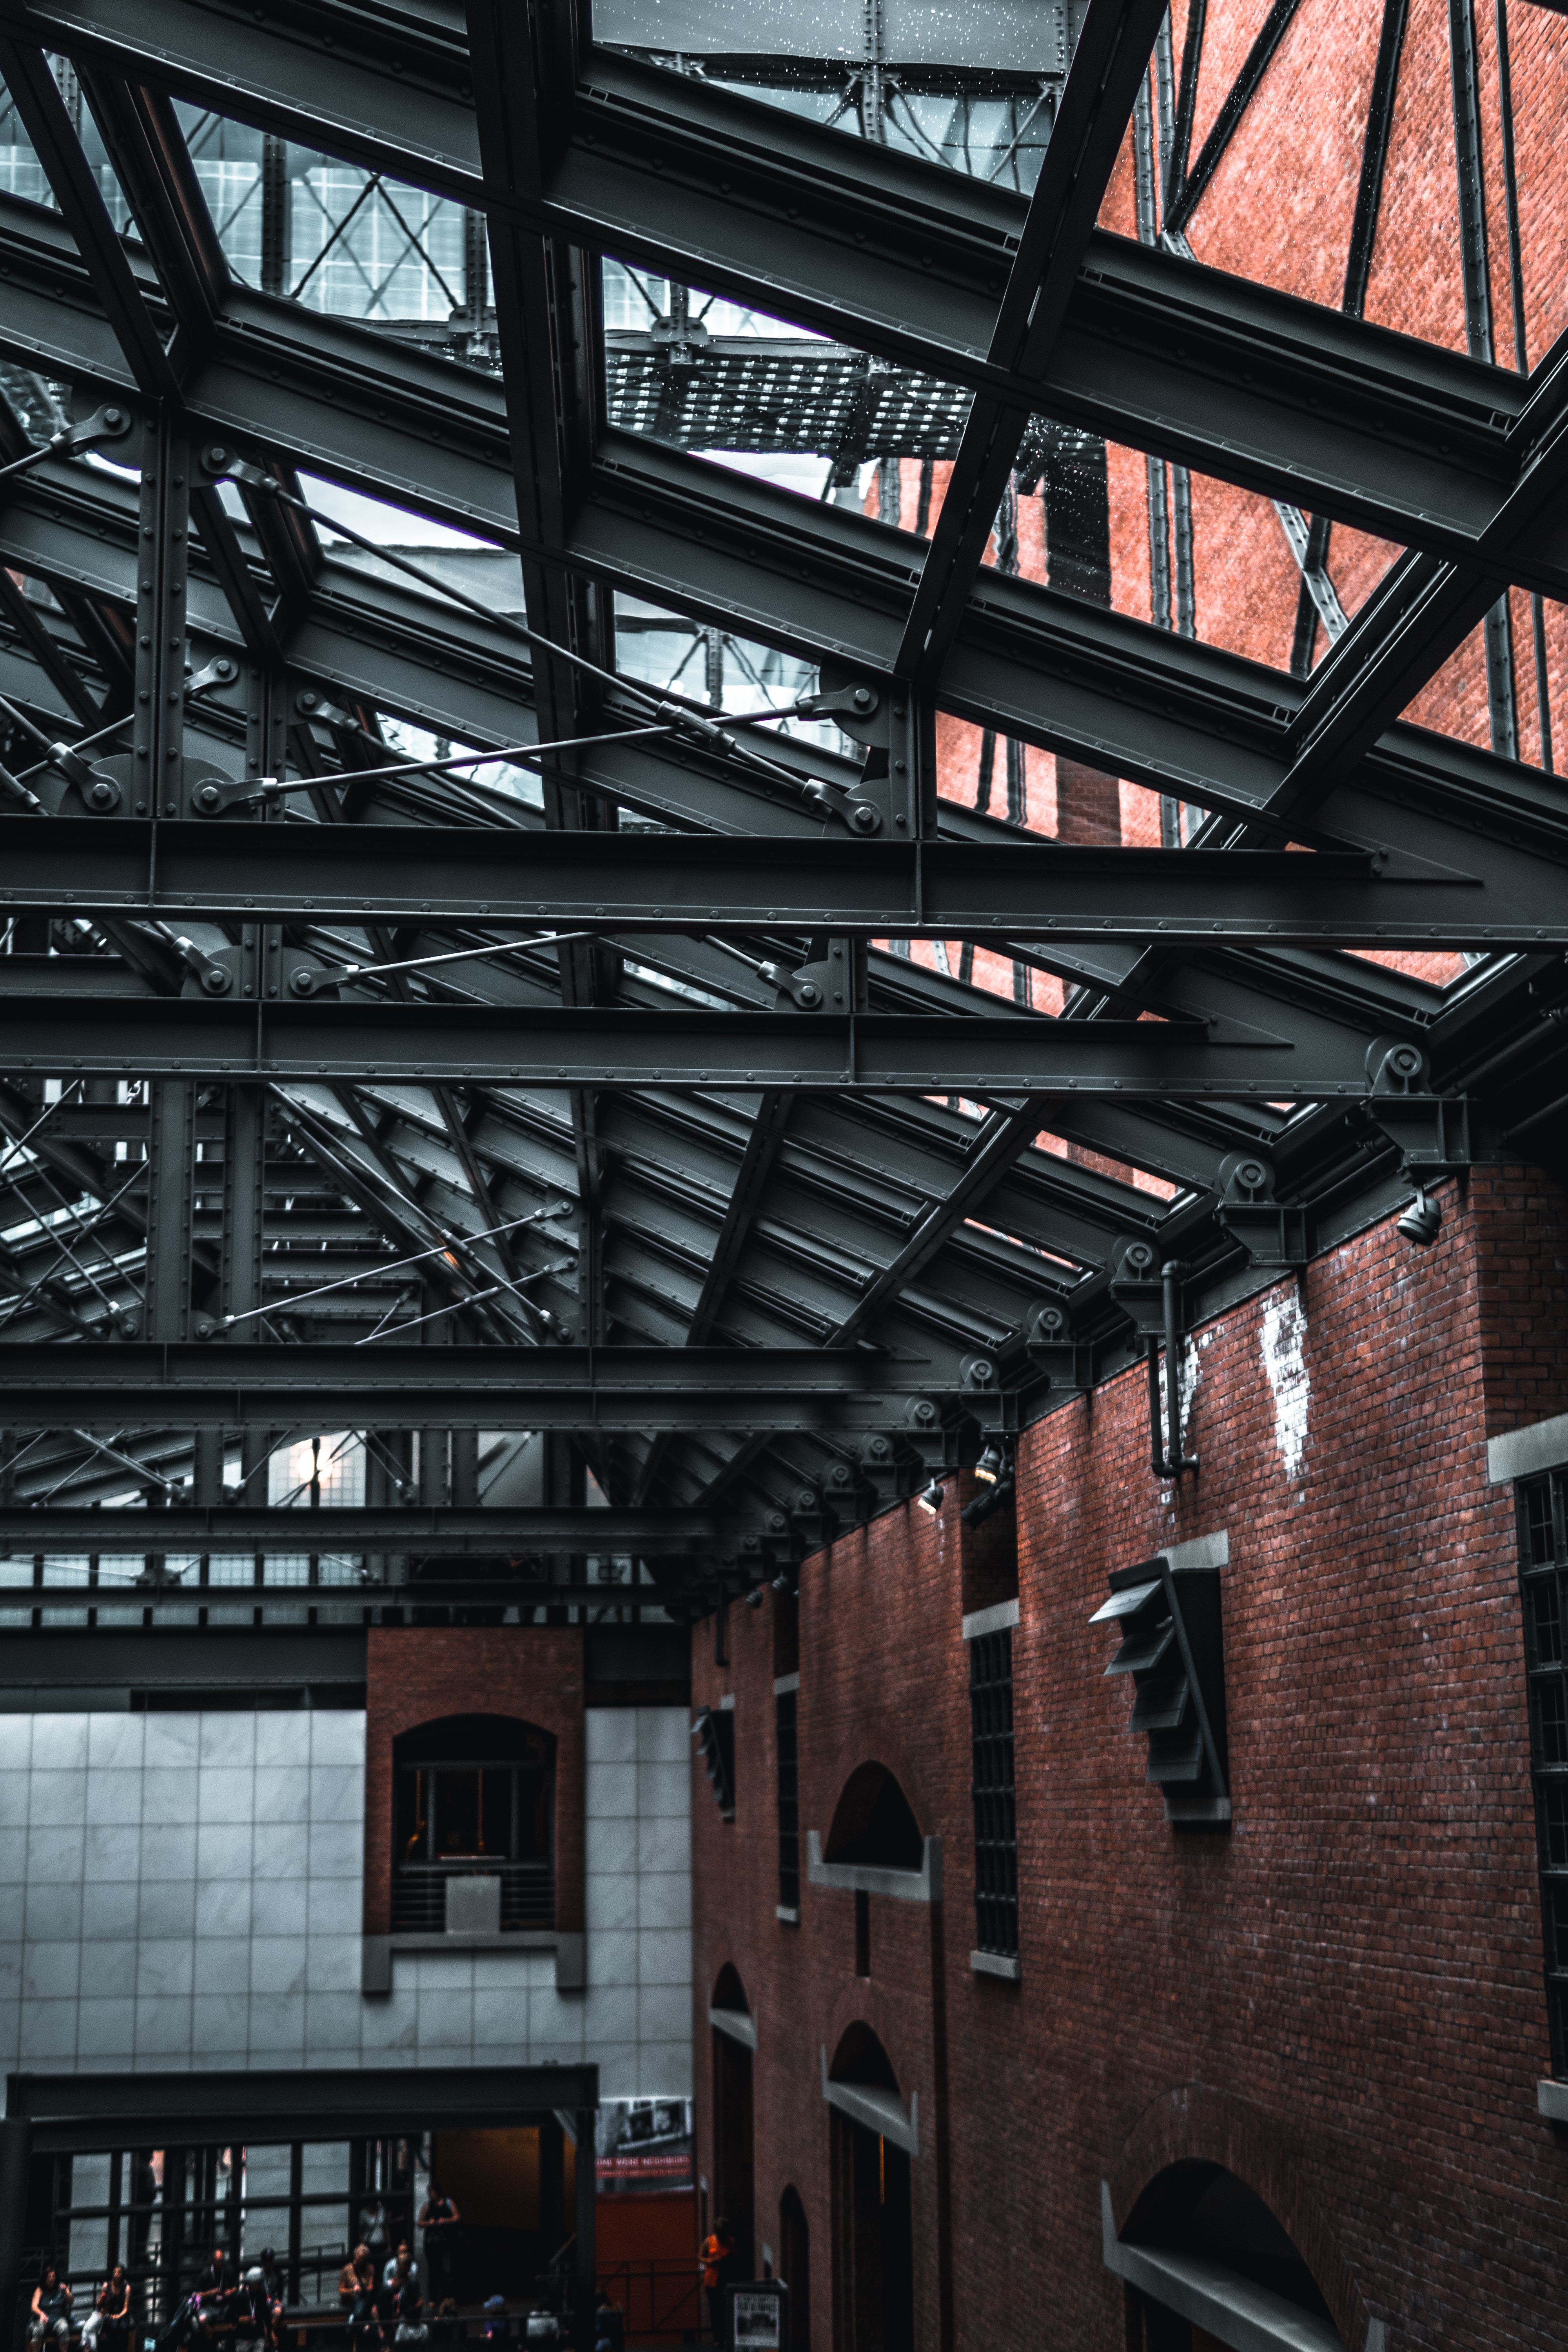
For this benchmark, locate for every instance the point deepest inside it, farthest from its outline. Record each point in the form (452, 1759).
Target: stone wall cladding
(1348, 1983)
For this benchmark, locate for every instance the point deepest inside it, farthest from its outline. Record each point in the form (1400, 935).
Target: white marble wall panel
(184, 1890)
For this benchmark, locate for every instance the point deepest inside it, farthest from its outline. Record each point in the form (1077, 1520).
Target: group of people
(388, 2308)
(251, 2304)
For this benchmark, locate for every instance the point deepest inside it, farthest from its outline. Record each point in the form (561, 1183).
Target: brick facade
(1340, 1997)
(417, 1673)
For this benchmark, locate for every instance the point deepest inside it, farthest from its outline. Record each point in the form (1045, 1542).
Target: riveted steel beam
(547, 1044)
(606, 1389)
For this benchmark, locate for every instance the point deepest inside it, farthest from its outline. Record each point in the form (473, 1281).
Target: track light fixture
(992, 1463)
(754, 1598)
(1421, 1220)
(781, 1583)
(932, 1496)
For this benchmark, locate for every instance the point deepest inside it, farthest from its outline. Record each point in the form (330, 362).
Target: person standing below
(438, 2217)
(51, 2309)
(718, 2269)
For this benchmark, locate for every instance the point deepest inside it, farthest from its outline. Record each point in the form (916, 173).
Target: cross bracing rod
(435, 1532)
(544, 1046)
(608, 882)
(215, 1382)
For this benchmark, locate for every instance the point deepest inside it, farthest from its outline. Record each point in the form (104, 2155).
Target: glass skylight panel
(1327, 152)
(773, 400)
(1505, 688)
(339, 239)
(971, 87)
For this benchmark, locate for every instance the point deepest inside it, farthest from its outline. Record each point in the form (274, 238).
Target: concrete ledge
(570, 1951)
(737, 2024)
(996, 1620)
(881, 2111)
(921, 1885)
(1229, 2307)
(784, 1683)
(1203, 1551)
(1215, 1810)
(1552, 2098)
(997, 1964)
(1520, 1452)
(783, 1911)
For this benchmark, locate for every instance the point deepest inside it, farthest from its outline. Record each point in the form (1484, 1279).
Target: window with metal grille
(995, 1818)
(784, 1705)
(473, 1796)
(1544, 1576)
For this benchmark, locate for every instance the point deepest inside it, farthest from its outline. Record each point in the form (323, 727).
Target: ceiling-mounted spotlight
(932, 1496)
(781, 1583)
(754, 1598)
(1421, 1219)
(992, 1463)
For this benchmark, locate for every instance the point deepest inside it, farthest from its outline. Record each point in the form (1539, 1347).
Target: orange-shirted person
(718, 2269)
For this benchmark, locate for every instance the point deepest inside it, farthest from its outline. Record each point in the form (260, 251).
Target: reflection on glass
(971, 88)
(21, 174)
(1503, 688)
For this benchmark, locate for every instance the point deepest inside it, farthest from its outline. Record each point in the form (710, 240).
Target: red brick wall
(416, 1674)
(1341, 1997)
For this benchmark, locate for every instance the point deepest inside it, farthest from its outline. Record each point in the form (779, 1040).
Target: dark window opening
(1543, 1577)
(872, 1825)
(788, 1770)
(786, 1633)
(996, 1812)
(473, 1797)
(1200, 2208)
(794, 2269)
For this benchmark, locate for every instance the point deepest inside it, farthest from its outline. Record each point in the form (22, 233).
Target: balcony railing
(419, 1894)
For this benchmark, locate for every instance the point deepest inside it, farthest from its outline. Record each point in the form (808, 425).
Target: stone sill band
(570, 1948)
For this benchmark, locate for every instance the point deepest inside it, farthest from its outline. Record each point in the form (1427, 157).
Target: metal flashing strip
(921, 1885)
(736, 2024)
(1520, 1452)
(785, 1684)
(1227, 2306)
(879, 2110)
(71, 2114)
(995, 1619)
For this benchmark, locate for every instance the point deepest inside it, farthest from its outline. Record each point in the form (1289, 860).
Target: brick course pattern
(416, 1674)
(1340, 1997)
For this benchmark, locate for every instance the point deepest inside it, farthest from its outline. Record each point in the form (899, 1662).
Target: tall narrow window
(785, 1702)
(996, 1821)
(1543, 1573)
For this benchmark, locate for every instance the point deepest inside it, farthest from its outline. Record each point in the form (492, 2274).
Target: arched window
(473, 1798)
(872, 1823)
